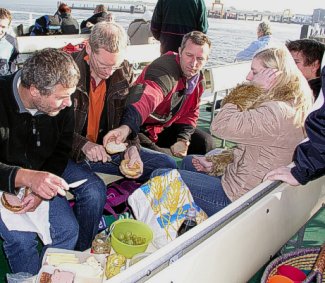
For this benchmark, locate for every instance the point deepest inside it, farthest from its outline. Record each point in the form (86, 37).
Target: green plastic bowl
(135, 227)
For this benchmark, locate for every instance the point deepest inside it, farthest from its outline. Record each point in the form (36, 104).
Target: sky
(296, 6)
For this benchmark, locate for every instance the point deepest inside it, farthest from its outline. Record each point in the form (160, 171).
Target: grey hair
(265, 28)
(196, 37)
(47, 68)
(109, 36)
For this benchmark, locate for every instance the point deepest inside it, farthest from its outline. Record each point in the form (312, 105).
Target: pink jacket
(266, 138)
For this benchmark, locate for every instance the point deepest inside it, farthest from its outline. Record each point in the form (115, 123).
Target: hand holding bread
(112, 147)
(118, 135)
(24, 202)
(179, 148)
(130, 171)
(132, 165)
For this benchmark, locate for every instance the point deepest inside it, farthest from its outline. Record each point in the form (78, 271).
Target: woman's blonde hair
(290, 85)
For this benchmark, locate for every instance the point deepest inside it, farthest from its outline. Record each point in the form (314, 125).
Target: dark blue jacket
(309, 156)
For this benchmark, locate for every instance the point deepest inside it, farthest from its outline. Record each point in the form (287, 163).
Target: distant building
(319, 16)
(302, 19)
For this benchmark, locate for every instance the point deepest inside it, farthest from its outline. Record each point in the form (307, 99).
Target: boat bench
(220, 80)
(134, 53)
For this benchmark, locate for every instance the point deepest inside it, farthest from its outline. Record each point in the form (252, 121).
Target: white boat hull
(239, 249)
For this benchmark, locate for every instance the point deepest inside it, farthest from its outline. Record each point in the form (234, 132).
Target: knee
(21, 241)
(93, 193)
(187, 163)
(168, 162)
(70, 231)
(210, 143)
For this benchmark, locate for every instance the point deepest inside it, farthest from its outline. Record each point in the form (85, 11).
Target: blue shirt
(248, 53)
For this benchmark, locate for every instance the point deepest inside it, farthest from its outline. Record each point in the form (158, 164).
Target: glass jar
(101, 244)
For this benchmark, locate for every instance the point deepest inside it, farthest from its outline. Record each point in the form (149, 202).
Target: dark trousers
(201, 142)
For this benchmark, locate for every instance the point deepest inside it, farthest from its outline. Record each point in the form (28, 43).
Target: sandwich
(112, 147)
(133, 171)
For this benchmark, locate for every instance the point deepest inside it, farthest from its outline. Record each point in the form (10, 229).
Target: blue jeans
(90, 197)
(21, 247)
(206, 190)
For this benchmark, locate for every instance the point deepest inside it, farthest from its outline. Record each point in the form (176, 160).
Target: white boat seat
(134, 54)
(222, 79)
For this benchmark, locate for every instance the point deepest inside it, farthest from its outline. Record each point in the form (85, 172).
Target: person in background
(8, 44)
(100, 12)
(308, 55)
(36, 119)
(99, 101)
(69, 25)
(172, 19)
(107, 17)
(167, 108)
(264, 35)
(110, 18)
(265, 118)
(139, 30)
(309, 157)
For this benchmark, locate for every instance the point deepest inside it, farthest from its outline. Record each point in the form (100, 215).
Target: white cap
(191, 212)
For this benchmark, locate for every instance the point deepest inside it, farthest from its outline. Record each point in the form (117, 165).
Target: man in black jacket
(36, 130)
(309, 157)
(100, 13)
(99, 101)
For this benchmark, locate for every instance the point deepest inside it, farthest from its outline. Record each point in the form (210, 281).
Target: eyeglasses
(100, 66)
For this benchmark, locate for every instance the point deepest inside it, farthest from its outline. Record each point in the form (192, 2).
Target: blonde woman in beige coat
(265, 117)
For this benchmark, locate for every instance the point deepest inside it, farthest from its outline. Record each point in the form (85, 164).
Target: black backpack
(46, 25)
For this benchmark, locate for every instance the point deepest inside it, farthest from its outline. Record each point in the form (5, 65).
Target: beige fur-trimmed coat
(264, 131)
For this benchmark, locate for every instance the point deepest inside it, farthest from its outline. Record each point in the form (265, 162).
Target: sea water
(228, 36)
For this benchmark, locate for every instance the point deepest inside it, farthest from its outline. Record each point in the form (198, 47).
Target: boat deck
(314, 233)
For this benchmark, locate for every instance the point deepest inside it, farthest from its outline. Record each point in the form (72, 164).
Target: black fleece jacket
(39, 142)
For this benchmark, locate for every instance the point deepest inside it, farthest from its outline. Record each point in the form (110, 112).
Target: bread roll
(180, 147)
(11, 202)
(130, 171)
(112, 147)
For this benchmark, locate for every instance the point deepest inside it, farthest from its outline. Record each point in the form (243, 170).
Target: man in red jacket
(167, 106)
